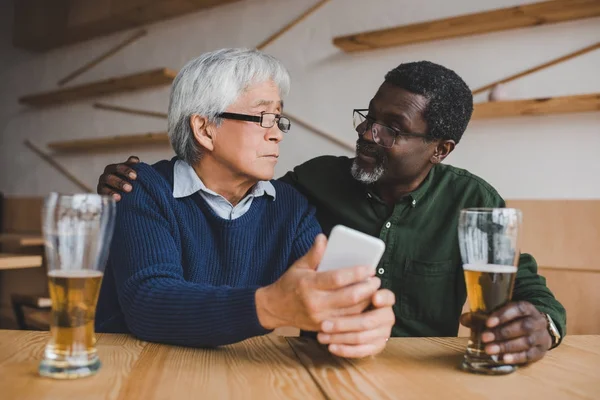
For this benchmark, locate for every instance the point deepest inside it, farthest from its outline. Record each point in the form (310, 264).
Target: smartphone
(348, 247)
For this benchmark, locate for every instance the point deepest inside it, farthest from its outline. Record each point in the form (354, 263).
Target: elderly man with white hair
(207, 249)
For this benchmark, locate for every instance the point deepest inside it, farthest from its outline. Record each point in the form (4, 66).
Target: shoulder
(325, 165)
(319, 173)
(467, 184)
(288, 194)
(151, 184)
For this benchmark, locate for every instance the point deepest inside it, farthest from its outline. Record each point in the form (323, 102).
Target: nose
(368, 134)
(274, 134)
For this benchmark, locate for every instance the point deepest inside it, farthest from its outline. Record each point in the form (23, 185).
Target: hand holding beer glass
(489, 246)
(77, 232)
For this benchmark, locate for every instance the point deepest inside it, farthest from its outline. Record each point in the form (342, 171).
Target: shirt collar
(186, 182)
(415, 196)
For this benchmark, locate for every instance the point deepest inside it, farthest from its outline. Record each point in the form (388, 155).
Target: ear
(442, 149)
(203, 133)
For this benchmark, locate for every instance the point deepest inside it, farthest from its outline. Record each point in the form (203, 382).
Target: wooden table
(272, 367)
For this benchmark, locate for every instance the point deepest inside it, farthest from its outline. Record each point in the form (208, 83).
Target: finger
(113, 182)
(514, 329)
(125, 171)
(349, 296)
(352, 310)
(517, 345)
(384, 298)
(313, 257)
(356, 351)
(331, 280)
(373, 319)
(133, 160)
(509, 312)
(524, 357)
(363, 337)
(465, 319)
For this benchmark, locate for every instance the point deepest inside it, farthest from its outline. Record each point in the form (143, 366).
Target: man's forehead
(266, 102)
(394, 98)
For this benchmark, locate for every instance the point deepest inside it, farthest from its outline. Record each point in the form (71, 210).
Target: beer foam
(491, 268)
(75, 273)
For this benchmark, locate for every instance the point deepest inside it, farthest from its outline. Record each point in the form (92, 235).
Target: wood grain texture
(547, 12)
(19, 261)
(264, 367)
(541, 106)
(578, 292)
(110, 143)
(426, 368)
(561, 233)
(20, 359)
(137, 81)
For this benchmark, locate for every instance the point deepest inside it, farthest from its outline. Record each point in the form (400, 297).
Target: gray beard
(364, 176)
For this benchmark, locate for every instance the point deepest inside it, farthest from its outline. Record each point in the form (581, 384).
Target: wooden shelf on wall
(137, 81)
(111, 143)
(548, 105)
(547, 12)
(23, 240)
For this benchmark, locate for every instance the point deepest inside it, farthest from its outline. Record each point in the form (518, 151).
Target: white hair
(212, 82)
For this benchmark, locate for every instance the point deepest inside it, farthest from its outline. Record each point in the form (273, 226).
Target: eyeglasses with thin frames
(266, 120)
(383, 135)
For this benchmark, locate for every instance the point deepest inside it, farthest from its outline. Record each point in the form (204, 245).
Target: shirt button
(388, 224)
(414, 203)
(380, 271)
(369, 195)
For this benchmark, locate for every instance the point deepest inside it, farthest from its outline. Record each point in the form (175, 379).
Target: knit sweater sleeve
(307, 231)
(158, 304)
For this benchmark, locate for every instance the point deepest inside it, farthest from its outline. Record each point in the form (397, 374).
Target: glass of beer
(489, 246)
(77, 232)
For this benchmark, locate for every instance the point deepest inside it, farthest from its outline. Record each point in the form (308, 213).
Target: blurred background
(545, 164)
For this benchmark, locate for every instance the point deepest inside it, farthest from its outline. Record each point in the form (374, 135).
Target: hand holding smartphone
(348, 247)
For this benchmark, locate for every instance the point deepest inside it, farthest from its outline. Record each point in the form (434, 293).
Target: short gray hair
(212, 82)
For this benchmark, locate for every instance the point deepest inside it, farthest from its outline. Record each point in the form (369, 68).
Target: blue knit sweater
(179, 274)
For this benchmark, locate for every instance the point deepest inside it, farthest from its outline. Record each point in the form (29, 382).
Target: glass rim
(487, 210)
(71, 195)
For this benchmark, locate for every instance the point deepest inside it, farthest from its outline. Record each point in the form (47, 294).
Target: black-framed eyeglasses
(266, 120)
(383, 135)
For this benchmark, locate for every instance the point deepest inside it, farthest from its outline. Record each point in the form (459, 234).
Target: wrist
(267, 317)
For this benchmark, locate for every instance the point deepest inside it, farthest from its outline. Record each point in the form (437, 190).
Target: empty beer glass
(77, 232)
(489, 246)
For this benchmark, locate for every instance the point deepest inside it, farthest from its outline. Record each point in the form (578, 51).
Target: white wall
(527, 157)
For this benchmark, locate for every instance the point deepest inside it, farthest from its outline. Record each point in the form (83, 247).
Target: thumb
(465, 319)
(313, 257)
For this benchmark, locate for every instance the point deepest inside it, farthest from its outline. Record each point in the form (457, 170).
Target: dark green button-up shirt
(422, 263)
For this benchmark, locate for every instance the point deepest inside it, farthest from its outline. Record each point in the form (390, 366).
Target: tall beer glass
(77, 233)
(489, 246)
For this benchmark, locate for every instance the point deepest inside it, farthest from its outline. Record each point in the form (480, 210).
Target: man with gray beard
(397, 189)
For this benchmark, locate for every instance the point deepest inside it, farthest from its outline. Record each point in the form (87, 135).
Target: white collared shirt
(186, 182)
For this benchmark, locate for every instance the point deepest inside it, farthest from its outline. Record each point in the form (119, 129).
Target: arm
(158, 303)
(531, 287)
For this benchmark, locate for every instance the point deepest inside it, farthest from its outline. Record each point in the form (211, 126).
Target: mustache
(369, 148)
